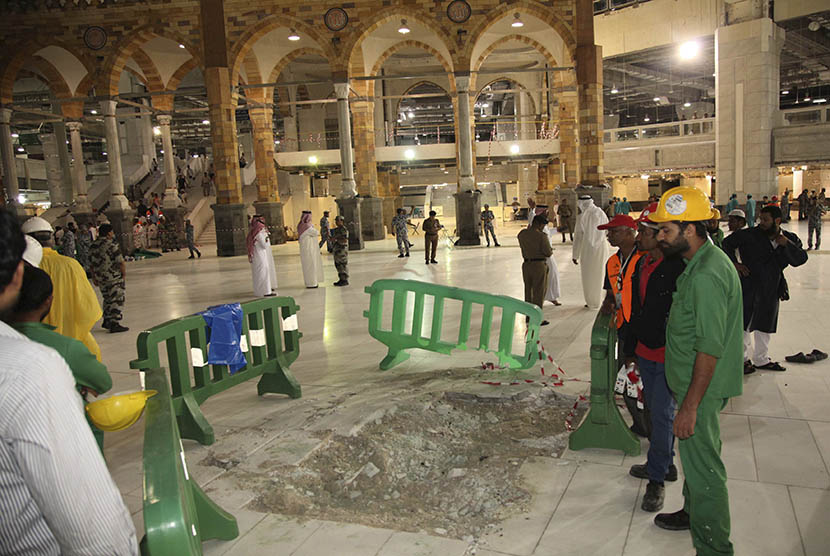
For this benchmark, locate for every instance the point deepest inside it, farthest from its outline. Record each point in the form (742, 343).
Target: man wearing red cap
(619, 269)
(654, 283)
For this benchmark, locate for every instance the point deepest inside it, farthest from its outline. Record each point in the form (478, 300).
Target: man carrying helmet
(653, 285)
(704, 357)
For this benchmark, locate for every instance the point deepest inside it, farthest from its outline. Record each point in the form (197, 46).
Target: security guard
(704, 360)
(535, 246)
(108, 272)
(340, 249)
(487, 218)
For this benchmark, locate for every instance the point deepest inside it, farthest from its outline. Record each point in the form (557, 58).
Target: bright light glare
(21, 199)
(614, 91)
(15, 135)
(293, 36)
(21, 149)
(409, 154)
(156, 130)
(403, 29)
(643, 176)
(514, 149)
(687, 104)
(206, 122)
(93, 111)
(689, 50)
(181, 46)
(312, 159)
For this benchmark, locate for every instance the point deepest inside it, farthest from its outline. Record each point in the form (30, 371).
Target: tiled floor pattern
(776, 436)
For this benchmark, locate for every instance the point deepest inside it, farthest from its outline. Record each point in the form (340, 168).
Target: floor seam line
(556, 508)
(797, 525)
(631, 519)
(752, 442)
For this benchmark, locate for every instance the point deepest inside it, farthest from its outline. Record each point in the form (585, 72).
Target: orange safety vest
(612, 267)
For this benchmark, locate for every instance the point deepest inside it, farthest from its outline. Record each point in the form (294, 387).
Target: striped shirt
(56, 494)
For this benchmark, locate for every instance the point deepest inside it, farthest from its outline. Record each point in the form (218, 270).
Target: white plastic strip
(257, 337)
(197, 356)
(184, 463)
(141, 379)
(243, 343)
(290, 323)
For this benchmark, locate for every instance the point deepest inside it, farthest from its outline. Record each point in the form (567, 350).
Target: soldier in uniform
(82, 245)
(487, 218)
(325, 231)
(191, 240)
(431, 227)
(68, 241)
(108, 273)
(535, 246)
(169, 238)
(815, 210)
(340, 239)
(565, 213)
(401, 234)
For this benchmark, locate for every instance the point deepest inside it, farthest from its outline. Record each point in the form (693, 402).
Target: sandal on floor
(801, 358)
(819, 355)
(749, 368)
(772, 366)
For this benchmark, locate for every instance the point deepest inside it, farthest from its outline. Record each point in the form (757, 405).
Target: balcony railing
(805, 116)
(685, 128)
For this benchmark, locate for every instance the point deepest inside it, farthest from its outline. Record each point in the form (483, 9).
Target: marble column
(79, 185)
(171, 197)
(467, 198)
(268, 196)
(54, 172)
(344, 127)
(747, 80)
(119, 212)
(9, 160)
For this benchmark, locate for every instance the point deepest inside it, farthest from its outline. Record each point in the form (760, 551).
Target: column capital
(341, 90)
(164, 119)
(74, 126)
(108, 107)
(462, 81)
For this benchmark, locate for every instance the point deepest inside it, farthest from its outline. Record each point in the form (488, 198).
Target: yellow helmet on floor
(684, 203)
(118, 412)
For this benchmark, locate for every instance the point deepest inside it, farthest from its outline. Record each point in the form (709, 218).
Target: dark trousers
(489, 230)
(430, 242)
(661, 406)
(535, 276)
(191, 247)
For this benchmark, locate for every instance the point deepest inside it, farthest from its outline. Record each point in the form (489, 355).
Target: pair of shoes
(401, 256)
(749, 368)
(116, 327)
(544, 323)
(407, 254)
(678, 521)
(771, 366)
(654, 497)
(433, 261)
(811, 357)
(640, 470)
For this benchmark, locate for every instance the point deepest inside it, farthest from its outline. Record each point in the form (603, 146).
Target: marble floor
(776, 436)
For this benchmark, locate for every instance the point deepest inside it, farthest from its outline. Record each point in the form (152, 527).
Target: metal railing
(685, 128)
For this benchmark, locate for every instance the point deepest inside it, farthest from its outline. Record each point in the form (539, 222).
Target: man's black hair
(432, 213)
(104, 229)
(773, 211)
(540, 220)
(12, 245)
(36, 288)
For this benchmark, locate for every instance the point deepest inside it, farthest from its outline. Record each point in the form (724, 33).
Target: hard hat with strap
(684, 204)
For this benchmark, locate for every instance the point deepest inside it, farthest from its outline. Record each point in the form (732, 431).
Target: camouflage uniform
(340, 239)
(83, 244)
(68, 243)
(106, 259)
(325, 234)
(401, 233)
(487, 218)
(169, 237)
(815, 210)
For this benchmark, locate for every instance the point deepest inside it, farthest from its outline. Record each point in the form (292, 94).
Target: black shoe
(191, 257)
(498, 245)
(433, 261)
(544, 323)
(427, 262)
(488, 245)
(640, 470)
(116, 327)
(199, 253)
(407, 254)
(638, 431)
(654, 497)
(749, 368)
(401, 256)
(106, 325)
(772, 366)
(678, 521)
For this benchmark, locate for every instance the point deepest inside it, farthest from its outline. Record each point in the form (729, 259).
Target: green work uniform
(87, 370)
(706, 316)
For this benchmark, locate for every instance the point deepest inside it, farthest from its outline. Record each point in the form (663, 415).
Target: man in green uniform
(340, 250)
(108, 273)
(91, 376)
(704, 362)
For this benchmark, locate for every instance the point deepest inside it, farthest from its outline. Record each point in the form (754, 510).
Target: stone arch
(504, 77)
(509, 38)
(248, 39)
(152, 78)
(53, 78)
(23, 53)
(283, 63)
(180, 73)
(529, 7)
(418, 84)
(126, 48)
(446, 64)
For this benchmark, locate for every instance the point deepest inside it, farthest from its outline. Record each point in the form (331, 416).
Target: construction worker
(704, 361)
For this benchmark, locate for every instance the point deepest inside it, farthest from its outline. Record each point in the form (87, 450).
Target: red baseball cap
(647, 212)
(619, 221)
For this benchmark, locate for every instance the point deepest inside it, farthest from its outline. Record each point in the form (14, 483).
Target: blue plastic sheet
(224, 334)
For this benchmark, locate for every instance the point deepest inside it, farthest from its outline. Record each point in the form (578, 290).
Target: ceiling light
(293, 36)
(689, 50)
(16, 135)
(485, 104)
(643, 176)
(411, 115)
(656, 99)
(819, 101)
(646, 119)
(277, 142)
(93, 111)
(409, 154)
(312, 159)
(446, 171)
(21, 199)
(156, 130)
(206, 122)
(785, 92)
(516, 21)
(403, 29)
(181, 46)
(514, 149)
(103, 153)
(614, 91)
(21, 149)
(807, 98)
(162, 151)
(687, 104)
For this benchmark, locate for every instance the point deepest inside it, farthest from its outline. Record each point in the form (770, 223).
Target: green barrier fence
(604, 427)
(397, 339)
(178, 515)
(193, 381)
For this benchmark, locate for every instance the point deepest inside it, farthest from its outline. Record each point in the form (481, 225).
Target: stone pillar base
(349, 209)
(231, 229)
(176, 216)
(371, 218)
(467, 217)
(272, 212)
(122, 226)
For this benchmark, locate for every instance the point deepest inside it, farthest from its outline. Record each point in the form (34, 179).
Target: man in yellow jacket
(75, 308)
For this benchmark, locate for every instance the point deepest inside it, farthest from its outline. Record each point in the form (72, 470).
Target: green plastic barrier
(178, 515)
(193, 384)
(604, 427)
(397, 339)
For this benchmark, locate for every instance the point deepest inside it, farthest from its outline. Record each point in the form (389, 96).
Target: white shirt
(56, 494)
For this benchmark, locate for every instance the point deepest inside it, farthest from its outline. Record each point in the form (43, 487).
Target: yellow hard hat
(684, 203)
(715, 214)
(118, 412)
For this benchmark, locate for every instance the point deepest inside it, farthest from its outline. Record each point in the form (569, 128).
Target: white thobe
(591, 250)
(310, 257)
(262, 266)
(552, 292)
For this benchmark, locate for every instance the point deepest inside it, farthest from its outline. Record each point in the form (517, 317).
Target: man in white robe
(310, 256)
(590, 250)
(261, 258)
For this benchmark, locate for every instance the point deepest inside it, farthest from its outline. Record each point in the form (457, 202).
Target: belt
(534, 260)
